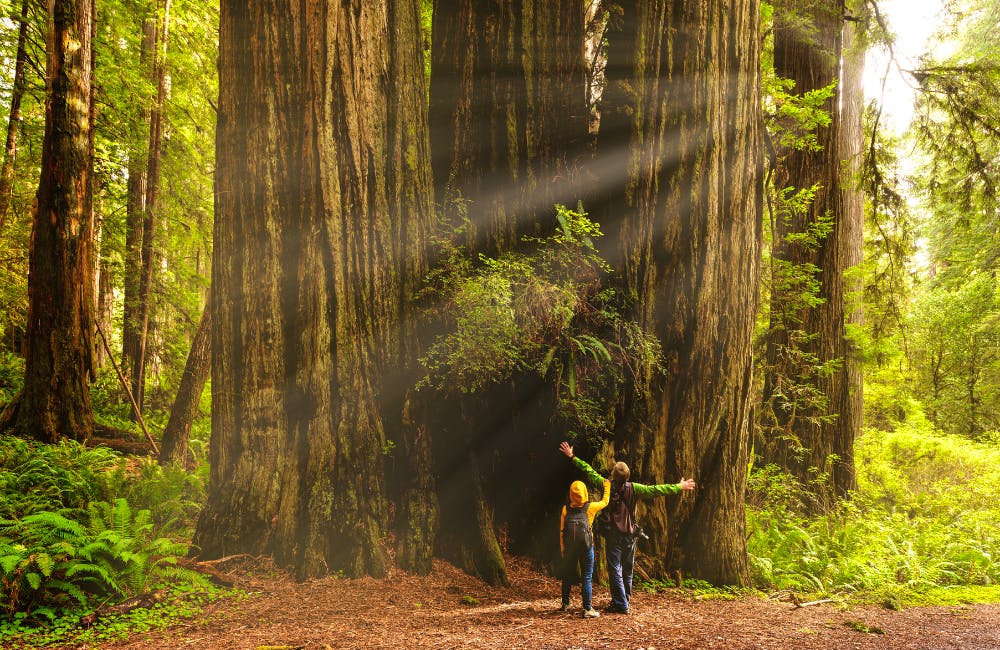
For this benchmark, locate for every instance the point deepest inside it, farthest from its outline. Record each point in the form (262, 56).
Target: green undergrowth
(183, 602)
(895, 598)
(82, 528)
(699, 589)
(923, 528)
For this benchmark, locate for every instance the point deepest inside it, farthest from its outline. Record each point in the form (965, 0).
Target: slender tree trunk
(14, 121)
(102, 280)
(55, 401)
(105, 307)
(680, 121)
(177, 433)
(159, 25)
(302, 269)
(133, 330)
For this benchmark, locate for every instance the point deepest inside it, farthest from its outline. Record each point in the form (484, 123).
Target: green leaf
(596, 347)
(34, 579)
(547, 361)
(45, 563)
(8, 562)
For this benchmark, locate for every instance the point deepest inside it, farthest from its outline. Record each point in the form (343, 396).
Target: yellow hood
(578, 494)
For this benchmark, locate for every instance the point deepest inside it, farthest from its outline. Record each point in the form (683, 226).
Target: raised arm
(597, 506)
(592, 477)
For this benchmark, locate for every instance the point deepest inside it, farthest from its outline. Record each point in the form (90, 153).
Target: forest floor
(450, 609)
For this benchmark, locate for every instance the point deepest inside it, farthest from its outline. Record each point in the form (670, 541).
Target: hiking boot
(611, 609)
(591, 613)
(564, 607)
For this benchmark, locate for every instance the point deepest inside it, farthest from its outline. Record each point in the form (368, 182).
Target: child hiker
(576, 542)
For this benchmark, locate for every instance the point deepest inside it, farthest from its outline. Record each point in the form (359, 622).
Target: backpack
(576, 530)
(619, 515)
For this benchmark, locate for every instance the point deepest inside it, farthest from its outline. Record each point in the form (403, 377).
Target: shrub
(36, 477)
(49, 562)
(543, 310)
(924, 517)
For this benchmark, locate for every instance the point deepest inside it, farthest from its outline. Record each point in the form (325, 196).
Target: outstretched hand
(565, 448)
(687, 483)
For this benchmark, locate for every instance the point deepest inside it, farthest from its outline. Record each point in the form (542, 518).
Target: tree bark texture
(680, 122)
(509, 135)
(411, 215)
(14, 121)
(508, 115)
(103, 291)
(55, 401)
(808, 50)
(467, 535)
(177, 433)
(851, 134)
(303, 268)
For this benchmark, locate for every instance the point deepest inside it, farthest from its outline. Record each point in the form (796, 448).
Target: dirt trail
(452, 610)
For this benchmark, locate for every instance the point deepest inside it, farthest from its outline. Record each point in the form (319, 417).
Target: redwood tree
(55, 401)
(851, 232)
(133, 331)
(680, 121)
(817, 436)
(410, 214)
(307, 255)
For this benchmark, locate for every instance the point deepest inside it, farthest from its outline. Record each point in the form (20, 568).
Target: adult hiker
(576, 543)
(619, 551)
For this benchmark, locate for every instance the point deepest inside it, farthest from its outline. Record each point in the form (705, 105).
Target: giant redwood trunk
(55, 401)
(411, 214)
(808, 49)
(508, 114)
(304, 255)
(681, 115)
(508, 121)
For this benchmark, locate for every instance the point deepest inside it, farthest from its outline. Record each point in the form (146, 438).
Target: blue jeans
(586, 560)
(620, 557)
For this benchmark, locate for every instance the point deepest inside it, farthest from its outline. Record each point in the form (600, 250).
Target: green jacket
(641, 491)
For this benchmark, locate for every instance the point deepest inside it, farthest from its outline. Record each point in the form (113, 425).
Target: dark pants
(585, 559)
(620, 557)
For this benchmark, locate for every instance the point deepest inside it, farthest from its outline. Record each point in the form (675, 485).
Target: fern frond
(53, 521)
